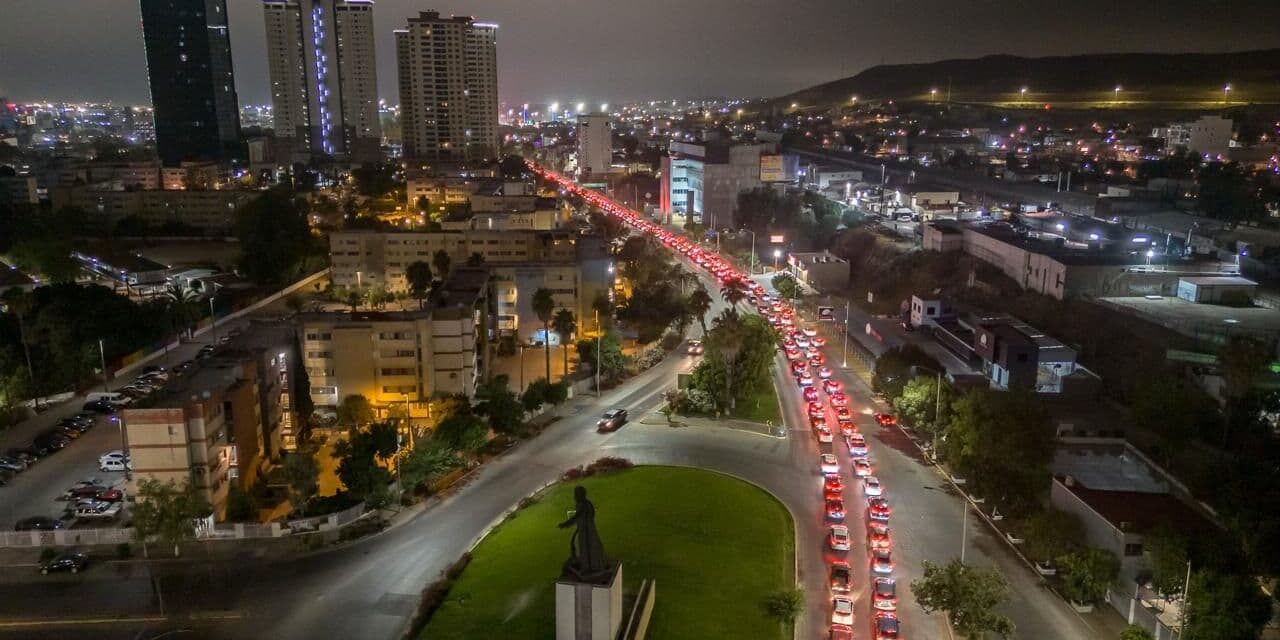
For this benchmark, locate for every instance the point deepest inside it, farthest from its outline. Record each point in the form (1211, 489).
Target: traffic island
(717, 545)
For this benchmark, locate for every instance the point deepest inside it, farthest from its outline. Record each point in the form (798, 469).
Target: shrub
(785, 606)
(573, 474)
(700, 401)
(361, 528)
(650, 357)
(607, 464)
(124, 551)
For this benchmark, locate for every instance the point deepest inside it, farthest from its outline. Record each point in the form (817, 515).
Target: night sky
(610, 50)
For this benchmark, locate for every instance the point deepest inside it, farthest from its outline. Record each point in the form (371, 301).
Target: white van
(109, 396)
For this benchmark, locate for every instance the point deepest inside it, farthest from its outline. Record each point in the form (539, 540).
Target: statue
(586, 561)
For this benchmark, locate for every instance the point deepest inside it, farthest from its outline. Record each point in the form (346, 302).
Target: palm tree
(543, 306)
(699, 303)
(727, 341)
(182, 302)
(733, 292)
(418, 273)
(565, 325)
(440, 260)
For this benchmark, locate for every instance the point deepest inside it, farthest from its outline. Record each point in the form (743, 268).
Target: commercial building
(1056, 269)
(595, 144)
(823, 270)
(1016, 355)
(398, 357)
(925, 200)
(193, 89)
(701, 180)
(1208, 135)
(823, 177)
(448, 74)
(1119, 496)
(1217, 290)
(129, 269)
(324, 90)
(210, 212)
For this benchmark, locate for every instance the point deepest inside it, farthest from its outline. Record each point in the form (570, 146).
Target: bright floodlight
(604, 106)
(555, 106)
(581, 106)
(777, 253)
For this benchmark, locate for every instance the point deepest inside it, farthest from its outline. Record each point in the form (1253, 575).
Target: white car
(871, 486)
(804, 379)
(829, 463)
(802, 342)
(115, 464)
(824, 372)
(114, 454)
(839, 538)
(809, 331)
(861, 468)
(841, 610)
(825, 436)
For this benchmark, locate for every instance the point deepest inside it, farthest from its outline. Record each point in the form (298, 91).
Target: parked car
(100, 406)
(12, 464)
(70, 561)
(84, 491)
(51, 441)
(38, 523)
(115, 464)
(96, 509)
(611, 420)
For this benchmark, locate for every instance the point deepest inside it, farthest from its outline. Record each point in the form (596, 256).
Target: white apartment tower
(595, 144)
(324, 88)
(448, 70)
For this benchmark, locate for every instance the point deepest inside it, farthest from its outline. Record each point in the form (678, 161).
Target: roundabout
(716, 546)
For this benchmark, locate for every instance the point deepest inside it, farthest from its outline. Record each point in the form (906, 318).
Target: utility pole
(599, 338)
(844, 349)
(964, 528)
(102, 359)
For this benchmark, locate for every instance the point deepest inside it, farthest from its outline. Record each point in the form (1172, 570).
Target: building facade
(448, 72)
(324, 90)
(401, 356)
(193, 89)
(208, 212)
(701, 181)
(595, 144)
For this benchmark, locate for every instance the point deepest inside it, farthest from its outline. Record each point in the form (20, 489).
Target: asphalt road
(370, 589)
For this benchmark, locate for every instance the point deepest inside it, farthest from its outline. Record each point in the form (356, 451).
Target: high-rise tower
(448, 72)
(324, 89)
(193, 88)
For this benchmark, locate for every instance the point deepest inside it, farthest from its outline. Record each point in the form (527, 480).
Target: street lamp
(777, 253)
(1117, 91)
(1150, 254)
(933, 94)
(844, 349)
(1023, 92)
(753, 250)
(102, 358)
(1226, 90)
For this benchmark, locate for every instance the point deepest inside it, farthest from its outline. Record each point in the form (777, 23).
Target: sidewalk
(657, 419)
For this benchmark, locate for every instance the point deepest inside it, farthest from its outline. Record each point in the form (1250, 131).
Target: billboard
(827, 314)
(771, 169)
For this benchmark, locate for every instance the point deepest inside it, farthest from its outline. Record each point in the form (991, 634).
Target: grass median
(716, 546)
(761, 407)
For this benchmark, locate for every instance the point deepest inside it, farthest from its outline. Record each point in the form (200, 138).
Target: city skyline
(587, 52)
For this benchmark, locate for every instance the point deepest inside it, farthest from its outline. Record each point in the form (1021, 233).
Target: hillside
(1146, 79)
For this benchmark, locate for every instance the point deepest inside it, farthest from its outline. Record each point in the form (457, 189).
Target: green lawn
(716, 546)
(761, 407)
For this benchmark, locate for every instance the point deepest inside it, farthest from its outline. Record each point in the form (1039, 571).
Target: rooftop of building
(207, 377)
(1138, 512)
(1107, 467)
(120, 261)
(924, 187)
(1065, 255)
(1219, 281)
(817, 257)
(948, 227)
(455, 298)
(1190, 317)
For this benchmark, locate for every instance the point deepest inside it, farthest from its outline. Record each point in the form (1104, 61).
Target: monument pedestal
(587, 610)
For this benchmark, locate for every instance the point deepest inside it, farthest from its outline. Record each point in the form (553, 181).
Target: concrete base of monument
(589, 611)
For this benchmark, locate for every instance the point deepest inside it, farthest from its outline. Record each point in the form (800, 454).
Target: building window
(396, 371)
(319, 354)
(324, 391)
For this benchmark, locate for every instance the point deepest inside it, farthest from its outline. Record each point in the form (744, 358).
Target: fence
(1132, 609)
(224, 531)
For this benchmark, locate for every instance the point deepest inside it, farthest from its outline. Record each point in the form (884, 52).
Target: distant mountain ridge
(1157, 77)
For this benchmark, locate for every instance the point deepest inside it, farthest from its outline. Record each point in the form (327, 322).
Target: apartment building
(210, 212)
(575, 268)
(401, 356)
(448, 71)
(324, 91)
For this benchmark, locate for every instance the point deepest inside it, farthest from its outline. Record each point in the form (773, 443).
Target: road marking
(17, 624)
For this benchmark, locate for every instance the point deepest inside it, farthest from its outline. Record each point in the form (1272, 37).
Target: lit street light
(1226, 91)
(777, 253)
(933, 94)
(1117, 98)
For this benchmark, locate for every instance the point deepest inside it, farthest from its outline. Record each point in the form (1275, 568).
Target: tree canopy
(968, 596)
(275, 238)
